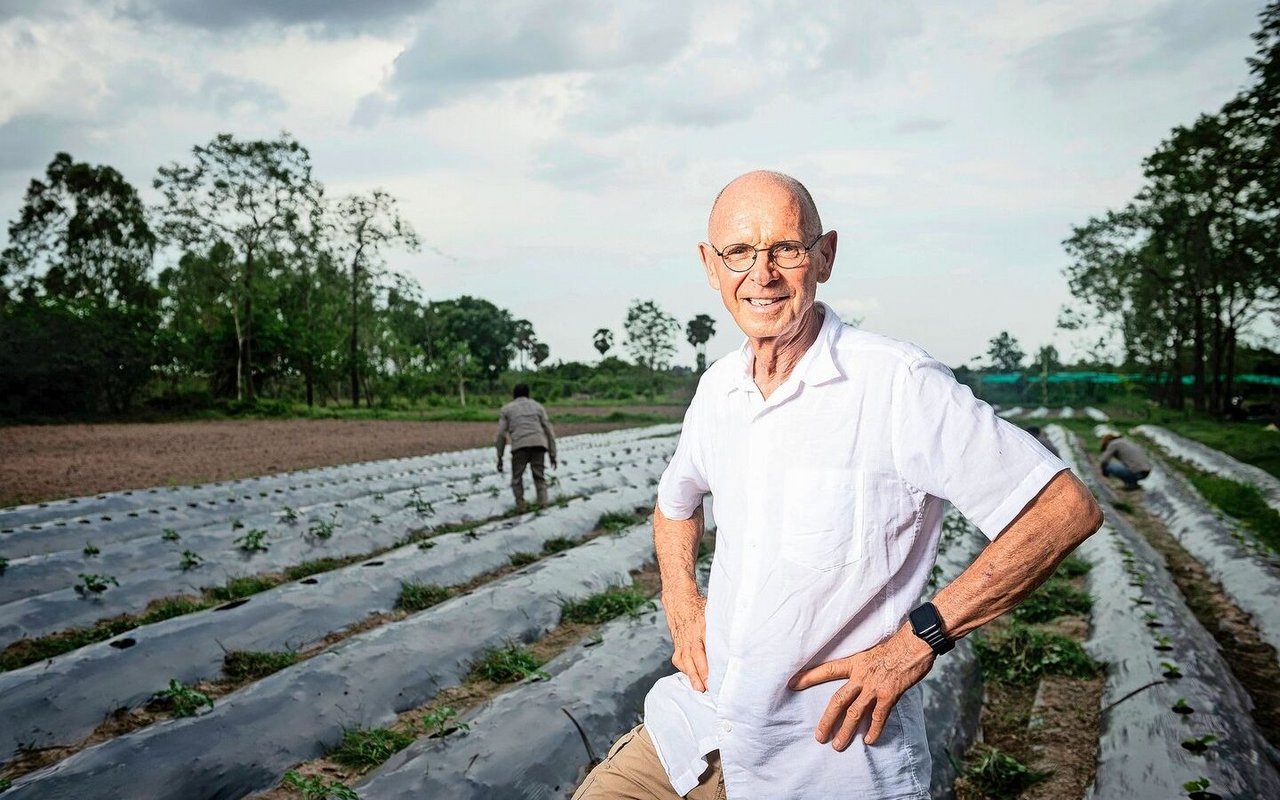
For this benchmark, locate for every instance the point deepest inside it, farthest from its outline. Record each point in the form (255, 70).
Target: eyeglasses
(784, 255)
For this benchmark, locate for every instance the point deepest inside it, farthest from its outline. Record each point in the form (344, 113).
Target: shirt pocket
(821, 517)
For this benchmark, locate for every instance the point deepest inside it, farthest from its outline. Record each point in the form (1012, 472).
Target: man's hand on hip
(687, 619)
(499, 465)
(874, 681)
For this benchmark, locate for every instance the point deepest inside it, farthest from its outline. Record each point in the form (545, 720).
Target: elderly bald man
(830, 452)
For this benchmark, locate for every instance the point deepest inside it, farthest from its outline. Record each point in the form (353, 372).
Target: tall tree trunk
(355, 331)
(251, 395)
(235, 320)
(1231, 363)
(1197, 357)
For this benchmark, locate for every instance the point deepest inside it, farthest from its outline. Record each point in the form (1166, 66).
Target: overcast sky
(560, 158)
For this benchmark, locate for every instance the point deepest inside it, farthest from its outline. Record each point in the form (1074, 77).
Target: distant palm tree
(699, 331)
(603, 340)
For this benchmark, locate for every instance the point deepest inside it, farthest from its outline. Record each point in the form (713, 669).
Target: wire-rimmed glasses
(784, 255)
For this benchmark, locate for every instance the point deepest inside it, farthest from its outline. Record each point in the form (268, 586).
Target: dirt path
(46, 462)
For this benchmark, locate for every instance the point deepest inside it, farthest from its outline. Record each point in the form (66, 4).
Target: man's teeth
(768, 301)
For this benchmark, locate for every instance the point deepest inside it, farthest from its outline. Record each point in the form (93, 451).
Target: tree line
(1191, 265)
(270, 288)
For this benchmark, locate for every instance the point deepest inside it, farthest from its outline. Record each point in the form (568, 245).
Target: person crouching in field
(525, 421)
(1124, 460)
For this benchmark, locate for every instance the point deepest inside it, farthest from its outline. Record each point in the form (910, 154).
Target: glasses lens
(787, 254)
(738, 256)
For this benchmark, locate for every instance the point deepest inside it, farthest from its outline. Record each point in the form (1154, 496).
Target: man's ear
(827, 251)
(710, 262)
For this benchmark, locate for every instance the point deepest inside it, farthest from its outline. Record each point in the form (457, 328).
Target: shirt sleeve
(501, 442)
(545, 421)
(1109, 453)
(951, 445)
(684, 481)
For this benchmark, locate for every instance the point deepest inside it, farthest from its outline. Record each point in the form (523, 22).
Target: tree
(366, 225)
(80, 308)
(602, 340)
(1046, 362)
(699, 331)
(1004, 353)
(249, 195)
(651, 334)
(488, 332)
(541, 352)
(524, 339)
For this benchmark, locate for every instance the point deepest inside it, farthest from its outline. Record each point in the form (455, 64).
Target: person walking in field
(830, 452)
(525, 422)
(1123, 459)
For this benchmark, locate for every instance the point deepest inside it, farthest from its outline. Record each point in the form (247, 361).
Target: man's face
(765, 301)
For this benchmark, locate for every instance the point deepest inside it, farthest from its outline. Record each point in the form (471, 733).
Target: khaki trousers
(632, 771)
(534, 457)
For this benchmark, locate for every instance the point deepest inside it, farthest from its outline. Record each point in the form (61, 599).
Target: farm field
(45, 462)
(394, 629)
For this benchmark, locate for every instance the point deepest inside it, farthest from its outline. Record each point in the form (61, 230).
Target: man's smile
(764, 302)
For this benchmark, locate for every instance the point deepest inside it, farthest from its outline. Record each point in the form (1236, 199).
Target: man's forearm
(1021, 558)
(676, 543)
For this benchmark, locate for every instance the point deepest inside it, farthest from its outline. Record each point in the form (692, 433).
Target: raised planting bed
(253, 735)
(1095, 414)
(1250, 577)
(1166, 682)
(1214, 461)
(58, 610)
(59, 702)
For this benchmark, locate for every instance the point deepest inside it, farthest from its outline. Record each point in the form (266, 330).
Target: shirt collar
(817, 365)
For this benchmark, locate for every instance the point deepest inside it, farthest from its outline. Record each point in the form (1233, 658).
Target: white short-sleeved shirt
(828, 505)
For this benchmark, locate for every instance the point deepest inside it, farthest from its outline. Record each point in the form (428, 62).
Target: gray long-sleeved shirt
(1126, 453)
(526, 422)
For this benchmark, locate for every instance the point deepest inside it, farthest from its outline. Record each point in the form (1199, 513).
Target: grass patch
(182, 700)
(557, 544)
(316, 566)
(998, 775)
(508, 665)
(602, 607)
(616, 521)
(1055, 598)
(1244, 441)
(235, 588)
(419, 596)
(1239, 500)
(1073, 567)
(522, 559)
(314, 787)
(250, 665)
(364, 748)
(1019, 655)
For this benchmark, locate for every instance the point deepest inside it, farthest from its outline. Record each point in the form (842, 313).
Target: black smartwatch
(926, 624)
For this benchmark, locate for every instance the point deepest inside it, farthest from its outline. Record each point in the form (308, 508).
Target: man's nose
(764, 271)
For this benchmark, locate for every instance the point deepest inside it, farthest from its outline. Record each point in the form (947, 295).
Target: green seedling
(438, 722)
(252, 541)
(324, 528)
(1171, 670)
(521, 559)
(1198, 785)
(998, 775)
(1200, 743)
(419, 504)
(4, 564)
(1163, 643)
(612, 602)
(418, 596)
(314, 787)
(375, 519)
(236, 524)
(1181, 707)
(366, 748)
(235, 588)
(426, 544)
(459, 497)
(494, 492)
(170, 535)
(190, 560)
(379, 496)
(93, 583)
(289, 514)
(557, 544)
(1020, 654)
(1055, 598)
(508, 665)
(249, 665)
(184, 700)
(90, 549)
(307, 568)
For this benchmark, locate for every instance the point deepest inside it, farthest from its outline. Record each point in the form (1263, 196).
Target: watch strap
(927, 624)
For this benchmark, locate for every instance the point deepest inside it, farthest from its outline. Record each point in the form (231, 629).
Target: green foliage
(184, 700)
(1246, 441)
(521, 559)
(249, 665)
(508, 665)
(651, 334)
(314, 787)
(1055, 598)
(998, 775)
(604, 606)
(313, 567)
(190, 560)
(1197, 785)
(418, 596)
(1004, 353)
(557, 544)
(94, 584)
(235, 588)
(615, 521)
(289, 515)
(323, 528)
(90, 549)
(253, 541)
(1073, 567)
(438, 721)
(1239, 500)
(170, 535)
(363, 748)
(1020, 654)
(4, 564)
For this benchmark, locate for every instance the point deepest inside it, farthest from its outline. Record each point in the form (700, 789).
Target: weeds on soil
(557, 544)
(998, 775)
(438, 722)
(508, 665)
(521, 559)
(190, 560)
(318, 565)
(170, 535)
(184, 700)
(364, 748)
(94, 584)
(252, 542)
(235, 588)
(315, 788)
(1020, 654)
(90, 549)
(612, 602)
(418, 596)
(1055, 598)
(250, 665)
(617, 521)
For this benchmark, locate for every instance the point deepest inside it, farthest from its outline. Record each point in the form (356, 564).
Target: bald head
(760, 186)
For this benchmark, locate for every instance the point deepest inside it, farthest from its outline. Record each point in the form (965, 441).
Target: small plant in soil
(184, 700)
(4, 565)
(494, 492)
(190, 560)
(375, 519)
(170, 535)
(90, 549)
(459, 497)
(521, 559)
(1181, 707)
(1171, 670)
(1163, 643)
(253, 541)
(999, 775)
(1073, 567)
(557, 544)
(1199, 790)
(364, 748)
(617, 521)
(419, 596)
(236, 524)
(313, 787)
(1055, 598)
(313, 567)
(508, 665)
(235, 588)
(5, 784)
(379, 496)
(250, 665)
(419, 504)
(289, 514)
(323, 528)
(1020, 654)
(426, 544)
(606, 605)
(1200, 743)
(441, 722)
(94, 584)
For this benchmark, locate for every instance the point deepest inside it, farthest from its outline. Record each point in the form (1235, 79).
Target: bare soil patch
(47, 462)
